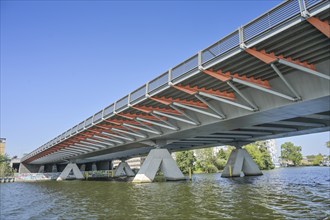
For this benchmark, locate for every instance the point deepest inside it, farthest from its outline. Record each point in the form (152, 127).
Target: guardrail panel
(158, 82)
(138, 94)
(185, 67)
(97, 116)
(311, 3)
(229, 42)
(108, 111)
(271, 18)
(89, 121)
(122, 103)
(81, 126)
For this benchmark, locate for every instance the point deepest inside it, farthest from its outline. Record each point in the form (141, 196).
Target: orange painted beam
(322, 26)
(112, 122)
(120, 122)
(168, 101)
(264, 57)
(149, 109)
(102, 127)
(132, 116)
(229, 76)
(108, 126)
(193, 90)
(219, 76)
(259, 82)
(289, 59)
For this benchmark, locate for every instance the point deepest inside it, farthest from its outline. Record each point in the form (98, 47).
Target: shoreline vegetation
(209, 161)
(5, 169)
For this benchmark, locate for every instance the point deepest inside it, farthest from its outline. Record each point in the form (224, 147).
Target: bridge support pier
(240, 161)
(82, 167)
(76, 172)
(54, 168)
(41, 169)
(94, 167)
(158, 158)
(123, 169)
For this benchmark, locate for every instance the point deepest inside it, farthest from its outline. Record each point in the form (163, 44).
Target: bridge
(267, 79)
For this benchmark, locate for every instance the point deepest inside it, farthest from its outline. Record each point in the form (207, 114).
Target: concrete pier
(158, 158)
(82, 167)
(70, 167)
(240, 161)
(123, 169)
(54, 168)
(94, 167)
(41, 169)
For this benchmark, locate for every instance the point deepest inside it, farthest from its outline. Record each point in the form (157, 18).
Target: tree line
(291, 155)
(205, 160)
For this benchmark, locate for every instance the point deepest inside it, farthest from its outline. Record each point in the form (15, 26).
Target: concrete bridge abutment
(28, 168)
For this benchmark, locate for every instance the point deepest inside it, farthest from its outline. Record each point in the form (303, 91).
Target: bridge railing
(245, 35)
(138, 94)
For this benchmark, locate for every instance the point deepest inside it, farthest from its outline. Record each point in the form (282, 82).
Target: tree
(291, 153)
(317, 160)
(221, 159)
(185, 160)
(260, 155)
(206, 160)
(5, 169)
(327, 144)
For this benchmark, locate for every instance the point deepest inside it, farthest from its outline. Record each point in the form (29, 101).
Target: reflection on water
(291, 193)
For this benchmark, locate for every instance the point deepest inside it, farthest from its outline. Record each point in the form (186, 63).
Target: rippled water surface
(287, 193)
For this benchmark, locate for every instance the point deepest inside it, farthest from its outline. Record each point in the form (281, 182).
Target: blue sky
(62, 61)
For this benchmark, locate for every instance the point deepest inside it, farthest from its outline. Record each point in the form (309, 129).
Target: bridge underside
(273, 85)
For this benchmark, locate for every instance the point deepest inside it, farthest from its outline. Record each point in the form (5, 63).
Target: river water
(285, 193)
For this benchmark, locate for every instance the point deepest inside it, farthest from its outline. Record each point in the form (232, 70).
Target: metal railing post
(147, 89)
(129, 100)
(241, 37)
(200, 59)
(303, 9)
(169, 76)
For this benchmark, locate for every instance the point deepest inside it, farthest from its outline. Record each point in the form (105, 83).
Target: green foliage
(5, 169)
(317, 160)
(222, 157)
(220, 163)
(327, 144)
(205, 161)
(292, 153)
(260, 155)
(185, 160)
(210, 168)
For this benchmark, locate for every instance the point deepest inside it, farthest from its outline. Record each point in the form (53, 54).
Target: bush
(210, 168)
